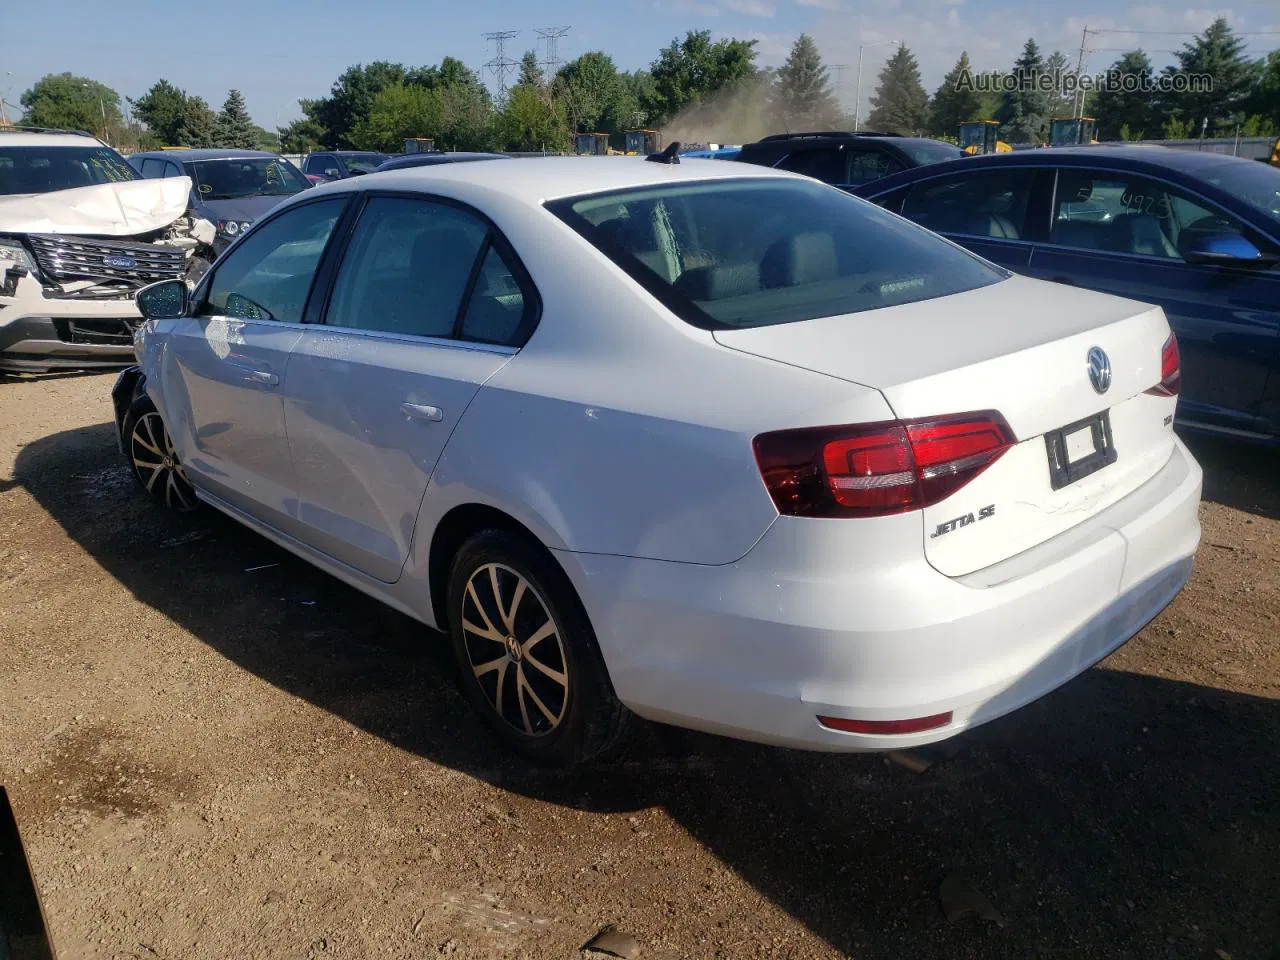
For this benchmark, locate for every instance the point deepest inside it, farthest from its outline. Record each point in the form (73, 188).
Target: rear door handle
(265, 377)
(421, 411)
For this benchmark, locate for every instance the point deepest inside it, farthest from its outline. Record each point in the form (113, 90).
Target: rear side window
(868, 165)
(980, 204)
(825, 165)
(756, 252)
(152, 168)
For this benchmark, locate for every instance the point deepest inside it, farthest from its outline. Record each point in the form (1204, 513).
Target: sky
(276, 52)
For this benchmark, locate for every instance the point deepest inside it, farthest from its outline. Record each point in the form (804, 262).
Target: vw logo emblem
(1099, 370)
(120, 263)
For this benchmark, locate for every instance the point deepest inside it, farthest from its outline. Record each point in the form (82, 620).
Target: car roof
(1136, 158)
(206, 153)
(552, 178)
(403, 160)
(18, 137)
(354, 153)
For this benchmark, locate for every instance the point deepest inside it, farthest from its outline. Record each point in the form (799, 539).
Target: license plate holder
(1079, 449)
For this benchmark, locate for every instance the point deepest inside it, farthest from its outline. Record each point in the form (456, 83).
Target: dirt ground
(215, 751)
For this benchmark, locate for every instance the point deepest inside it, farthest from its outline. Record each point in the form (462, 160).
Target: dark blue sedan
(1196, 233)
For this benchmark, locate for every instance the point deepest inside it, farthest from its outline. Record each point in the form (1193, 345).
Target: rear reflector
(1170, 370)
(917, 725)
(878, 469)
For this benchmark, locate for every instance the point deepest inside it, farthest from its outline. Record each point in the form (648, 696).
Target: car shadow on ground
(1124, 815)
(1239, 475)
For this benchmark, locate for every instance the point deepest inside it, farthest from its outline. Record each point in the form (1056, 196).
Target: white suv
(80, 233)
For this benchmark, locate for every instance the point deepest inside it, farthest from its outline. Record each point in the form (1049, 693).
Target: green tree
(1257, 125)
(466, 117)
(1117, 108)
(1175, 128)
(1265, 99)
(1023, 112)
(531, 71)
(350, 100)
(533, 120)
(199, 126)
(900, 104)
(162, 109)
(693, 69)
(1217, 53)
(1061, 103)
(235, 128)
(395, 114)
(801, 96)
(301, 136)
(590, 88)
(67, 102)
(956, 101)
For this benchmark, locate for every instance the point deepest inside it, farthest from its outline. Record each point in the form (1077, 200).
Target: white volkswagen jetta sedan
(720, 447)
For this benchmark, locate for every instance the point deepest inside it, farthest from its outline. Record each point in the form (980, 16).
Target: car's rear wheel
(154, 461)
(527, 655)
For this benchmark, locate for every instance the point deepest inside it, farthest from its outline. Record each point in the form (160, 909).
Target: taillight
(877, 469)
(1170, 370)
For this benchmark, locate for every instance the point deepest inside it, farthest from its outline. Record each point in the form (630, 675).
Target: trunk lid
(1020, 348)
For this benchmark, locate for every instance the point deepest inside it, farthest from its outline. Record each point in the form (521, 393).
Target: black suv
(846, 160)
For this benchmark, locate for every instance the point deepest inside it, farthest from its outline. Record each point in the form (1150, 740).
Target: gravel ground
(216, 751)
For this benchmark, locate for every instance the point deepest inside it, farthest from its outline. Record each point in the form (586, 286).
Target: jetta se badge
(1099, 370)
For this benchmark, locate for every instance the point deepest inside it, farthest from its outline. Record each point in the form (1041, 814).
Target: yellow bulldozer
(1069, 131)
(980, 137)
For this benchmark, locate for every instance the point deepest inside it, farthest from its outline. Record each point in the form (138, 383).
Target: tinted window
(407, 268)
(315, 164)
(868, 165)
(171, 169)
(45, 169)
(246, 177)
(1119, 213)
(152, 167)
(982, 204)
(825, 165)
(929, 151)
(268, 274)
(743, 253)
(497, 304)
(364, 162)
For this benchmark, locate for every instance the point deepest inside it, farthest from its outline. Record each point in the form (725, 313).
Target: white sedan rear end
(733, 451)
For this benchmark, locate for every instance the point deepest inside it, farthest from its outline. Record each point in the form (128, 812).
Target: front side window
(268, 275)
(979, 204)
(363, 163)
(407, 268)
(1122, 213)
(232, 179)
(46, 169)
(756, 252)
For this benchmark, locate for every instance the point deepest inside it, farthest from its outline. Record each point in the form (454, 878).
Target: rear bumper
(813, 622)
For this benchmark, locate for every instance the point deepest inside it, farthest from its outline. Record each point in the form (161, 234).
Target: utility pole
(1077, 101)
(857, 96)
(501, 64)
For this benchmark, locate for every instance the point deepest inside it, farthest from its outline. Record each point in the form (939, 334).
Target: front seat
(1141, 233)
(803, 258)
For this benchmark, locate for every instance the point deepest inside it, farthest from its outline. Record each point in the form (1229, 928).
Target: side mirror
(333, 173)
(1223, 249)
(166, 300)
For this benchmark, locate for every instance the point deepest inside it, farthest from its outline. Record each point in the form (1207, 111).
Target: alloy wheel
(156, 463)
(515, 650)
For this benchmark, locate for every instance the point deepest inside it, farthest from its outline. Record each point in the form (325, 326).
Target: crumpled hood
(105, 210)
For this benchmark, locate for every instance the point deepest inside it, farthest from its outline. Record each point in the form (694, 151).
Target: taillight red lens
(877, 469)
(1170, 370)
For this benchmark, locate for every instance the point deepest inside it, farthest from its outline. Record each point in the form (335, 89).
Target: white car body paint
(105, 210)
(621, 437)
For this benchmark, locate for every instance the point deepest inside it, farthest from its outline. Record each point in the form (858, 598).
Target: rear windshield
(238, 177)
(756, 252)
(930, 151)
(45, 169)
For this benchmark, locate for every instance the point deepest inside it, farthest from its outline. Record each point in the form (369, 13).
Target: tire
(152, 459)
(528, 661)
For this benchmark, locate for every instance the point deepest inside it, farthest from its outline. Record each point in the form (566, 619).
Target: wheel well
(453, 530)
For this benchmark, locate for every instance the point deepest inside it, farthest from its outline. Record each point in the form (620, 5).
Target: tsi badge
(968, 518)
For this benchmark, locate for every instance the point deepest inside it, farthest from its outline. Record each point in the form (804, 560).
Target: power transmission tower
(839, 68)
(501, 65)
(550, 35)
